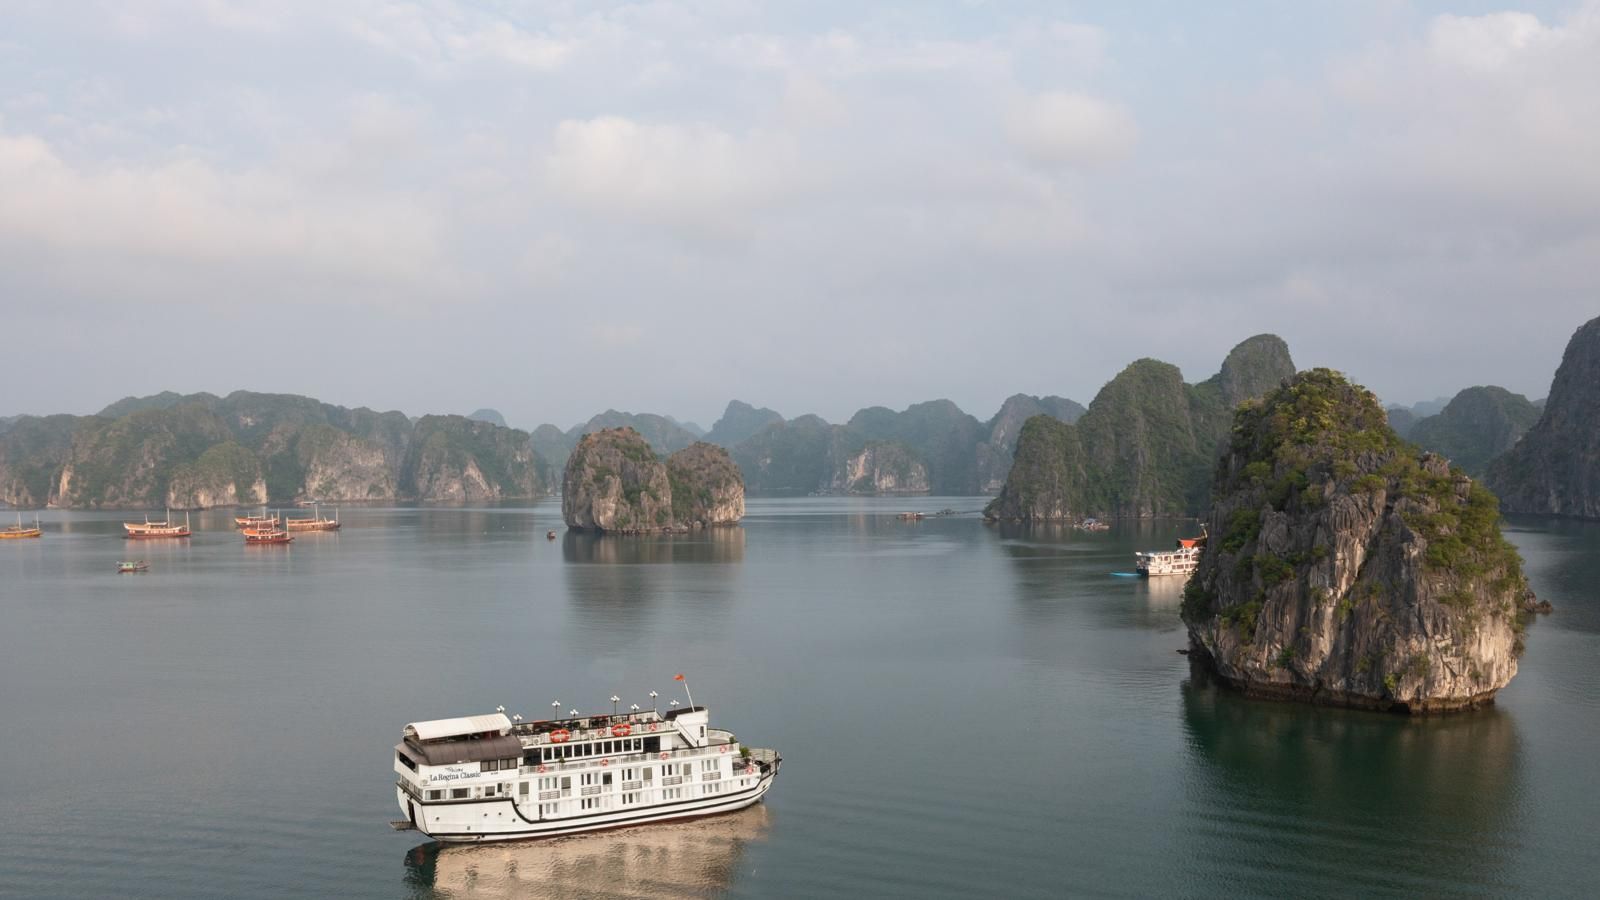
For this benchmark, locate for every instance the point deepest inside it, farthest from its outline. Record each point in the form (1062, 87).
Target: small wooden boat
(164, 529)
(18, 531)
(550, 535)
(128, 568)
(262, 521)
(911, 516)
(314, 523)
(254, 536)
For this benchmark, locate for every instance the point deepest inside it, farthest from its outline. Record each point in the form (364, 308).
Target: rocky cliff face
(739, 422)
(1348, 567)
(200, 450)
(880, 467)
(614, 482)
(225, 475)
(1477, 425)
(453, 458)
(707, 488)
(1144, 448)
(1555, 468)
(996, 453)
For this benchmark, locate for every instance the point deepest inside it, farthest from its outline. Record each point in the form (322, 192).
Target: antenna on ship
(573, 711)
(555, 705)
(653, 696)
(614, 701)
(500, 709)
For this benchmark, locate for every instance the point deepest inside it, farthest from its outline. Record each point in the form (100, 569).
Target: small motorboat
(129, 568)
(550, 535)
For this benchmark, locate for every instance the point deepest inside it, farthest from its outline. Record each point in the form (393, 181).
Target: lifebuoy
(652, 726)
(605, 762)
(620, 730)
(543, 770)
(559, 736)
(663, 756)
(724, 748)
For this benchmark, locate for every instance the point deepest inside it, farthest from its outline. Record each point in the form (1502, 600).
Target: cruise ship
(487, 778)
(1180, 561)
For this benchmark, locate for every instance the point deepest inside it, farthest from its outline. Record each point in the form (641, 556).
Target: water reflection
(691, 859)
(709, 545)
(1423, 804)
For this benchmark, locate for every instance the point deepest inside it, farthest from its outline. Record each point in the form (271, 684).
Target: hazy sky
(554, 208)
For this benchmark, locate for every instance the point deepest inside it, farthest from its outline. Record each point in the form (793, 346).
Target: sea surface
(964, 710)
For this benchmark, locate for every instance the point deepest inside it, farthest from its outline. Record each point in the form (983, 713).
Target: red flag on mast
(678, 677)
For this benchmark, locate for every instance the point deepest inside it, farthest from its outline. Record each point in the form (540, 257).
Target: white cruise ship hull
(507, 818)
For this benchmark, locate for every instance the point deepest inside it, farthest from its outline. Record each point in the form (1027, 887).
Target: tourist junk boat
(262, 521)
(315, 523)
(18, 531)
(266, 534)
(487, 778)
(164, 529)
(129, 568)
(1181, 561)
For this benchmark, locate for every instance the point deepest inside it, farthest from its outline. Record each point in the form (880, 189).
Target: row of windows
(495, 765)
(564, 785)
(555, 752)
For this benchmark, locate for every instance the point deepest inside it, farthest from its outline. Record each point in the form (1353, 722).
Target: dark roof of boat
(466, 750)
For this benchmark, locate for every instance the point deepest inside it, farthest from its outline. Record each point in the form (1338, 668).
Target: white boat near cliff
(1183, 560)
(487, 778)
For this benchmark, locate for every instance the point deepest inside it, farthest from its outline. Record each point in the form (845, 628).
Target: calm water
(963, 711)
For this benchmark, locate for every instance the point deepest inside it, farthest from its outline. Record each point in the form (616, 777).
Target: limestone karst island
(469, 449)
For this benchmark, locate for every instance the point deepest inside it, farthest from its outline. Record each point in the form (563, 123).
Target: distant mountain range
(201, 450)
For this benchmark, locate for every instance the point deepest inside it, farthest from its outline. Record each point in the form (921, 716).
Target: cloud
(1063, 128)
(143, 229)
(669, 173)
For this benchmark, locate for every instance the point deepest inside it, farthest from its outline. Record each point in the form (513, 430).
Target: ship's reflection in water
(690, 859)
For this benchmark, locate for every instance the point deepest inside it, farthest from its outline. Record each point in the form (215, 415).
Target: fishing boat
(490, 778)
(911, 516)
(163, 529)
(266, 535)
(1180, 561)
(128, 568)
(262, 521)
(19, 531)
(314, 523)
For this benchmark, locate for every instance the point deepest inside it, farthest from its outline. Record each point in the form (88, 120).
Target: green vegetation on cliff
(1146, 445)
(1477, 425)
(1555, 468)
(1341, 555)
(158, 451)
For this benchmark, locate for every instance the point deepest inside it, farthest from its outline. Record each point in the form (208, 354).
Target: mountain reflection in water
(688, 859)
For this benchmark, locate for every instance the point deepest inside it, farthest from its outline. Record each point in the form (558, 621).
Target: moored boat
(11, 532)
(266, 535)
(264, 520)
(1180, 561)
(163, 529)
(315, 522)
(127, 567)
(487, 778)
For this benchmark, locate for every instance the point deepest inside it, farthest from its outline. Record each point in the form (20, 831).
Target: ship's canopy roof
(439, 729)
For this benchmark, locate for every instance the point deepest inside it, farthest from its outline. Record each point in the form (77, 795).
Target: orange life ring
(724, 748)
(663, 756)
(620, 730)
(543, 770)
(559, 736)
(605, 762)
(652, 726)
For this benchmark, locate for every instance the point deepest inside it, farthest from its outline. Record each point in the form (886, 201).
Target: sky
(555, 208)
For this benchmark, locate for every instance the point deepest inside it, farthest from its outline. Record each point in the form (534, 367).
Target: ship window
(648, 773)
(488, 790)
(508, 763)
(606, 779)
(522, 788)
(436, 795)
(489, 765)
(652, 744)
(630, 798)
(459, 793)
